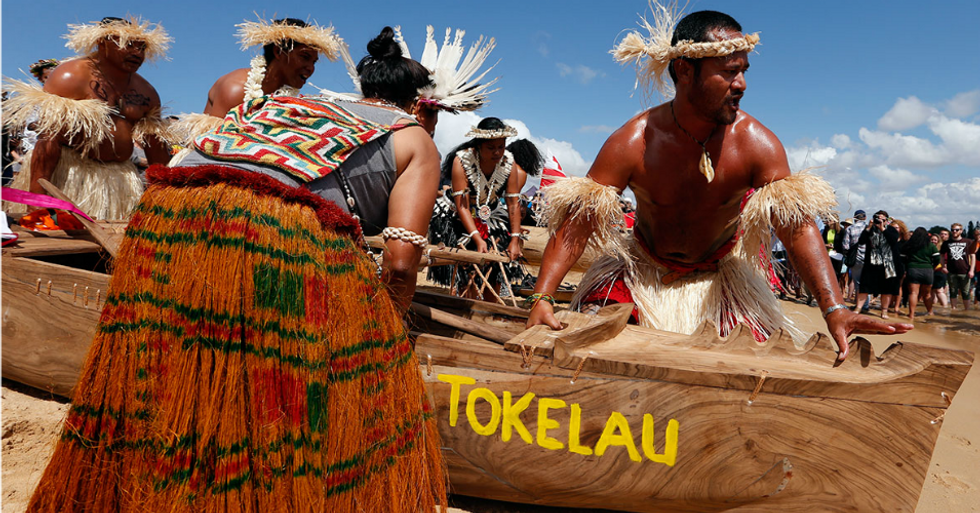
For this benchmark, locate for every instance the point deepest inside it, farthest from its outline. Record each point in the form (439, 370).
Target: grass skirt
(103, 190)
(248, 359)
(737, 293)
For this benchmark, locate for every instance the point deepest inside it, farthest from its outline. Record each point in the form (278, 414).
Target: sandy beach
(31, 420)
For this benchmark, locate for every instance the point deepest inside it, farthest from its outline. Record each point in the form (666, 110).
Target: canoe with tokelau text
(601, 414)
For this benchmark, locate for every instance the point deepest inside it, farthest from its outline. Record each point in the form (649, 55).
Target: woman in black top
(879, 271)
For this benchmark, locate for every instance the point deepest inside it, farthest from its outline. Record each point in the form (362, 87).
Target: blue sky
(884, 94)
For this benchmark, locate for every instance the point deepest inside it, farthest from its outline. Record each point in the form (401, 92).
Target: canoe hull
(779, 454)
(581, 439)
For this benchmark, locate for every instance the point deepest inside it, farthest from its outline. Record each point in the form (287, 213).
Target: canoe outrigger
(601, 414)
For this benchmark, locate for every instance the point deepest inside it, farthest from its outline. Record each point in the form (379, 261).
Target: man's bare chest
(127, 101)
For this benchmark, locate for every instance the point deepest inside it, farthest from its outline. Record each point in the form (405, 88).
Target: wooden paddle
(109, 242)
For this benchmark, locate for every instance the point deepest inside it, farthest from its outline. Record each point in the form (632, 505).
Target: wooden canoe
(601, 414)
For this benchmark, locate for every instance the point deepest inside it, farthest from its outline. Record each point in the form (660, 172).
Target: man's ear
(684, 69)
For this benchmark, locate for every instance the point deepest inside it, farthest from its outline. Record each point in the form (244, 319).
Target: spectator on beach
(851, 238)
(958, 261)
(976, 267)
(833, 235)
(939, 277)
(922, 257)
(877, 276)
(898, 250)
(844, 279)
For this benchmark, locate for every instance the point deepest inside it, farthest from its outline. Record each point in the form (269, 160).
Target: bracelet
(405, 236)
(533, 299)
(832, 309)
(458, 193)
(521, 235)
(473, 233)
(512, 195)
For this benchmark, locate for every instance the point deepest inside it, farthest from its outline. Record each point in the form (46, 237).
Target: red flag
(551, 169)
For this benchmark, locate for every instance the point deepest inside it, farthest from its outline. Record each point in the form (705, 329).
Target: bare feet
(884, 315)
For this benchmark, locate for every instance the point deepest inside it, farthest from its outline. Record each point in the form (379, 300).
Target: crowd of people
(882, 258)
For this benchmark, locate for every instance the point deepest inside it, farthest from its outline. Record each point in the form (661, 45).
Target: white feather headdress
(84, 38)
(456, 85)
(652, 55)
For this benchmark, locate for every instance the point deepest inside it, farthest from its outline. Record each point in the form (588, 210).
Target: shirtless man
(92, 167)
(688, 213)
(285, 64)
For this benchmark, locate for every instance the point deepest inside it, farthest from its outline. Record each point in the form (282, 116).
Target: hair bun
(384, 45)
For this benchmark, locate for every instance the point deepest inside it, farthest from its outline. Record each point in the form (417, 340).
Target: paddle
(104, 238)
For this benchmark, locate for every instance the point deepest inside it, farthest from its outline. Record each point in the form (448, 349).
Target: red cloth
(615, 292)
(551, 171)
(629, 219)
(679, 270)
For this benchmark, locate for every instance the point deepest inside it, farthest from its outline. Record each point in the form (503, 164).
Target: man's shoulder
(749, 131)
(145, 86)
(236, 77)
(71, 79)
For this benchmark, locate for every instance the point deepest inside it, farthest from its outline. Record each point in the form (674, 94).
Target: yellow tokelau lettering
(455, 382)
(512, 417)
(575, 432)
(617, 422)
(487, 395)
(669, 457)
(506, 413)
(544, 423)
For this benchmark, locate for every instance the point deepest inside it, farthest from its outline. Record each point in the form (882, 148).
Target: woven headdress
(455, 86)
(262, 32)
(652, 55)
(37, 69)
(497, 133)
(85, 38)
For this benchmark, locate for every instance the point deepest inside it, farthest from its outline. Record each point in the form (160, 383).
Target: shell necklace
(483, 187)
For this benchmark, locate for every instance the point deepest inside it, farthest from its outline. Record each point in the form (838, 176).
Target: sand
(31, 420)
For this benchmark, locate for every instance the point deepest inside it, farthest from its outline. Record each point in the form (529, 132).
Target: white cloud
(579, 72)
(451, 132)
(964, 104)
(895, 179)
(905, 114)
(904, 150)
(597, 129)
(841, 141)
(961, 140)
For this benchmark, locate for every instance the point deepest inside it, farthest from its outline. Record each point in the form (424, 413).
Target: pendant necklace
(705, 166)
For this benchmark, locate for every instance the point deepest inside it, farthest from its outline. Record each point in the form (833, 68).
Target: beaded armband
(533, 299)
(459, 193)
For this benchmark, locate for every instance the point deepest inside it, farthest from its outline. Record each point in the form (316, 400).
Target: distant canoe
(601, 414)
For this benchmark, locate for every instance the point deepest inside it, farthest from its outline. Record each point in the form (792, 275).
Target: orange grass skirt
(248, 359)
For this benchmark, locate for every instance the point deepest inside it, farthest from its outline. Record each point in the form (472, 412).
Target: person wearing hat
(851, 236)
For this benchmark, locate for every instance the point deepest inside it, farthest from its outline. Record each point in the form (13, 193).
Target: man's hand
(481, 245)
(514, 249)
(843, 323)
(543, 313)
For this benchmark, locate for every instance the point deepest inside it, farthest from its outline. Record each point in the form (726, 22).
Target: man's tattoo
(134, 99)
(99, 90)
